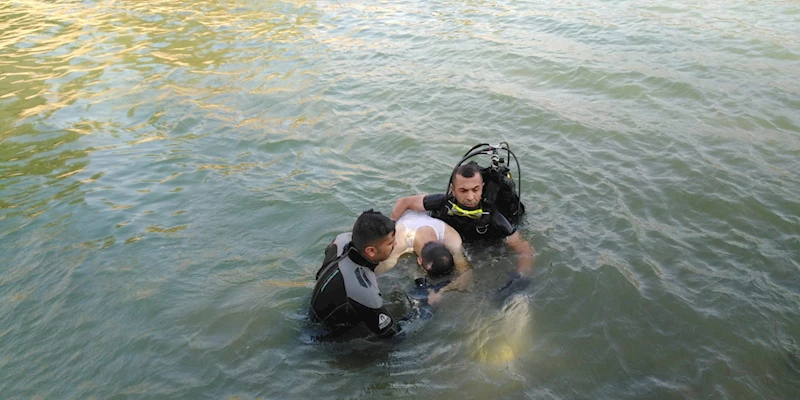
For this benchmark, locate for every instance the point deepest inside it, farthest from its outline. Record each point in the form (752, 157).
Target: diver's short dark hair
(439, 257)
(371, 227)
(469, 169)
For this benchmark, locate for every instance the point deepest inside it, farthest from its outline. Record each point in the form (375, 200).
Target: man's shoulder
(333, 251)
(361, 285)
(343, 237)
(434, 201)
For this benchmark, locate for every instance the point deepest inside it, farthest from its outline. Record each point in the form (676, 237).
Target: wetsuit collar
(354, 255)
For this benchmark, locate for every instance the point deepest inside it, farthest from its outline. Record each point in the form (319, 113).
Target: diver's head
(435, 259)
(467, 185)
(373, 235)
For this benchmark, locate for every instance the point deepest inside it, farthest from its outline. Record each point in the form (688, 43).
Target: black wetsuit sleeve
(330, 255)
(378, 320)
(501, 226)
(434, 201)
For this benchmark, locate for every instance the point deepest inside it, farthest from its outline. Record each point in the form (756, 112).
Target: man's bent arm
(404, 204)
(525, 250)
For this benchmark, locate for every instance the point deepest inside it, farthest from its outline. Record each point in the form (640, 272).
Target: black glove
(516, 283)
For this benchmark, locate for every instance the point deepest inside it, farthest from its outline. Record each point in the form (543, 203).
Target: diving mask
(457, 211)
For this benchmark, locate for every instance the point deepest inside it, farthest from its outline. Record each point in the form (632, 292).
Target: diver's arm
(525, 250)
(378, 320)
(404, 204)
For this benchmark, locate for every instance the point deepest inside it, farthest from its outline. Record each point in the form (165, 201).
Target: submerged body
(506, 334)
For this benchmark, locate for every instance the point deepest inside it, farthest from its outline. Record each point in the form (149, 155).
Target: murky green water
(170, 172)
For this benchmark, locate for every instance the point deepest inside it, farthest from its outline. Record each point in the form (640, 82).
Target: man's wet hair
(370, 228)
(469, 169)
(439, 257)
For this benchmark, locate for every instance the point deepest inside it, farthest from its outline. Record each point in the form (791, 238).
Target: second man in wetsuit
(346, 293)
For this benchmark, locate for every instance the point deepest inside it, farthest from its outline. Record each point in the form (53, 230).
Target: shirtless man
(425, 235)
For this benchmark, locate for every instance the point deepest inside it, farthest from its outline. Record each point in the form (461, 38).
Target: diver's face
(381, 250)
(468, 191)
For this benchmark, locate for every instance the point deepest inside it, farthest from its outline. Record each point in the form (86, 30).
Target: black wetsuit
(347, 294)
(495, 226)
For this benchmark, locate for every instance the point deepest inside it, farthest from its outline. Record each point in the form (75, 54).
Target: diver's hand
(517, 282)
(395, 214)
(399, 208)
(434, 296)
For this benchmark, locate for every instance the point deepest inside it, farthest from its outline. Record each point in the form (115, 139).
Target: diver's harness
(498, 183)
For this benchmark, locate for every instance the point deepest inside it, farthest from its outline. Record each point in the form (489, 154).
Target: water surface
(170, 172)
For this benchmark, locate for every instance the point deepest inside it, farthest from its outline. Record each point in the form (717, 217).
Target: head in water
(436, 259)
(467, 185)
(373, 235)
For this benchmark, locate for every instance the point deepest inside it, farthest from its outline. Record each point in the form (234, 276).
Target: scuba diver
(438, 249)
(479, 203)
(346, 293)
